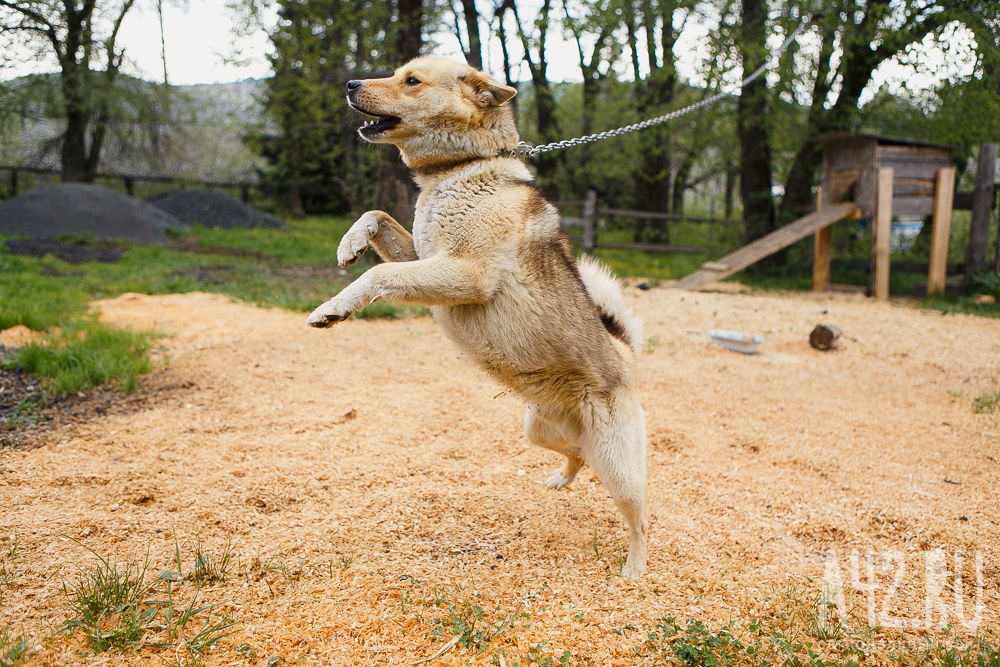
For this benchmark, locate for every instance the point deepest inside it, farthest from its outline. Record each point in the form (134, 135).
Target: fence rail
(129, 180)
(590, 224)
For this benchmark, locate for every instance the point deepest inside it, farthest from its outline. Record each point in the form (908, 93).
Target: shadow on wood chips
(24, 424)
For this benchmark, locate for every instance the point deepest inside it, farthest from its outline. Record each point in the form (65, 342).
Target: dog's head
(437, 111)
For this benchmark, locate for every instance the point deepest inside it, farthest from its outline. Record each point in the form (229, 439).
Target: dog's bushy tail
(615, 314)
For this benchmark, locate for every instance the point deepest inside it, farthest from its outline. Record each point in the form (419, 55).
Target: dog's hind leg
(542, 432)
(616, 450)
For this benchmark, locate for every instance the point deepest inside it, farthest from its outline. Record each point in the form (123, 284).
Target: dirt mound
(77, 208)
(212, 209)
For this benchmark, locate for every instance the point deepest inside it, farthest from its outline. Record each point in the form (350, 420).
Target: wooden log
(943, 195)
(824, 337)
(821, 251)
(982, 198)
(881, 233)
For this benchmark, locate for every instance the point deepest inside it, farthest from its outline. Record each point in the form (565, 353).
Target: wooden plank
(942, 229)
(925, 153)
(821, 251)
(922, 170)
(896, 266)
(768, 245)
(912, 205)
(716, 266)
(982, 198)
(963, 200)
(912, 187)
(881, 234)
(572, 222)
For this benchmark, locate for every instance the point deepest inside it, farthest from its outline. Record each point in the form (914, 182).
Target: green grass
(988, 402)
(799, 634)
(292, 268)
(13, 648)
(85, 354)
(109, 604)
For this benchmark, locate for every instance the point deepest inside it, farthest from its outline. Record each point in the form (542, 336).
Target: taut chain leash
(525, 150)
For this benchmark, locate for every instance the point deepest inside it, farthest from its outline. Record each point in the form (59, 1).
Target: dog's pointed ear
(488, 92)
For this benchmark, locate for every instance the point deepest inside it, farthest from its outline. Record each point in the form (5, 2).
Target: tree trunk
(74, 148)
(475, 54)
(395, 192)
(755, 143)
(295, 174)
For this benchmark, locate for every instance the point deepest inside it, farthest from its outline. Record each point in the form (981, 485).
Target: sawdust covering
(379, 464)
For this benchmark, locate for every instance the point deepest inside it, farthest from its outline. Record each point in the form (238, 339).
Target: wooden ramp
(768, 245)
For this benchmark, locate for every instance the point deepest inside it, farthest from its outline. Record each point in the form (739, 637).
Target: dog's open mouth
(374, 127)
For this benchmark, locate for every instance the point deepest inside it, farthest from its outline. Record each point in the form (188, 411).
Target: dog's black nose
(353, 85)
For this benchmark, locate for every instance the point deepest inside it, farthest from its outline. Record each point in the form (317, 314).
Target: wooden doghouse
(886, 176)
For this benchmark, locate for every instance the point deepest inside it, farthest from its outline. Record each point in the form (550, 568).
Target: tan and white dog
(489, 256)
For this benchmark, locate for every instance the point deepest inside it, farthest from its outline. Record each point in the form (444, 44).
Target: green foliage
(988, 402)
(106, 603)
(13, 648)
(209, 569)
(10, 563)
(85, 354)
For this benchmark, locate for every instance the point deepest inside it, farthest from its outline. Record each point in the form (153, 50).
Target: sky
(200, 48)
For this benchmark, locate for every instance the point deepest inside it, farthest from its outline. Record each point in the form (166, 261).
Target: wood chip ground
(374, 465)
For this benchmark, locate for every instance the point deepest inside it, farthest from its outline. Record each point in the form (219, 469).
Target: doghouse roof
(883, 140)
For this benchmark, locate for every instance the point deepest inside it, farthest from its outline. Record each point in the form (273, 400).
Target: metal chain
(525, 150)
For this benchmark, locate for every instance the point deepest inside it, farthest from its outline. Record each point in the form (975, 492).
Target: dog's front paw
(354, 243)
(328, 314)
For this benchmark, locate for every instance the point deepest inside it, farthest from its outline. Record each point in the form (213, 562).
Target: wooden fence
(590, 222)
(129, 181)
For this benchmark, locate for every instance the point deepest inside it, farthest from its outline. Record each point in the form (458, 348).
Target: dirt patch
(73, 253)
(367, 468)
(27, 425)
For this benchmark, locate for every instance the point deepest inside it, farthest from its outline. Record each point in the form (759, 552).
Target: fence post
(982, 202)
(821, 251)
(129, 185)
(245, 193)
(589, 215)
(13, 182)
(881, 233)
(944, 194)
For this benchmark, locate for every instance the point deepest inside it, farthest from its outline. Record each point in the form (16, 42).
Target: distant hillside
(204, 141)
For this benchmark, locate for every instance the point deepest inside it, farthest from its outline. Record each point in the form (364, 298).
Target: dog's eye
(411, 81)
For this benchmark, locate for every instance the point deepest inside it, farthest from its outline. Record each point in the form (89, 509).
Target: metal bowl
(737, 341)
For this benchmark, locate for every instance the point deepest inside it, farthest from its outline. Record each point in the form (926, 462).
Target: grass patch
(988, 402)
(209, 569)
(109, 605)
(85, 354)
(10, 564)
(13, 648)
(801, 634)
(106, 603)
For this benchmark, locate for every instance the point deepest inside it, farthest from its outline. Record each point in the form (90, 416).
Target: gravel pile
(212, 209)
(76, 208)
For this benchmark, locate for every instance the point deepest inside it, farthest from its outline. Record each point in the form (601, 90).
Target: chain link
(525, 150)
